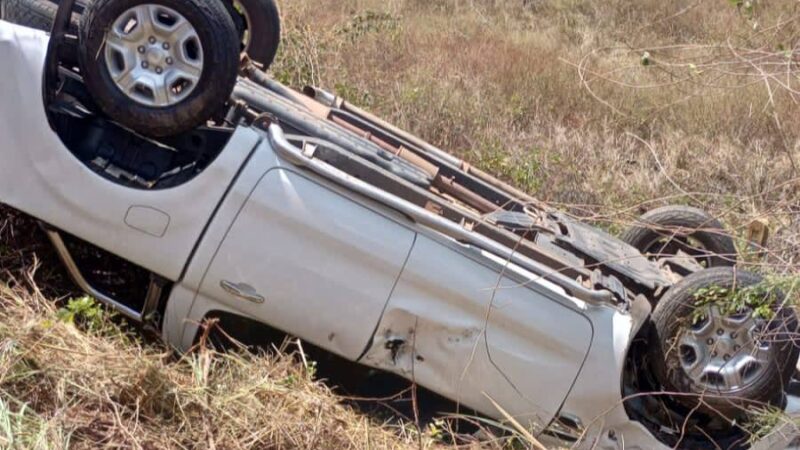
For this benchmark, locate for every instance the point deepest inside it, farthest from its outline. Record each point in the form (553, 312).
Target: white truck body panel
(324, 265)
(41, 177)
(466, 328)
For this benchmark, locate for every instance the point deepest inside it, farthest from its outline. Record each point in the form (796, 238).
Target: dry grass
(62, 387)
(553, 96)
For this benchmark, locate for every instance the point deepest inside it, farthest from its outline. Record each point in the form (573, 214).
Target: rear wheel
(159, 67)
(259, 26)
(38, 14)
(676, 230)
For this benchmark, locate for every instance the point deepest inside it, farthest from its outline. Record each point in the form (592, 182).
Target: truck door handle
(242, 290)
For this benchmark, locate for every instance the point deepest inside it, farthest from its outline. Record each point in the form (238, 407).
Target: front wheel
(724, 342)
(159, 67)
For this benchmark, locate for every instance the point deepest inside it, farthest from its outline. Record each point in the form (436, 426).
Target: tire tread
(38, 14)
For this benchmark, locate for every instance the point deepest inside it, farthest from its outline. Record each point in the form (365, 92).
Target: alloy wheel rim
(154, 55)
(722, 352)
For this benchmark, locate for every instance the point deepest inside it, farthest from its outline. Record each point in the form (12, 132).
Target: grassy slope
(497, 83)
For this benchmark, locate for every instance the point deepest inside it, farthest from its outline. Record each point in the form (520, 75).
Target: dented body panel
(475, 331)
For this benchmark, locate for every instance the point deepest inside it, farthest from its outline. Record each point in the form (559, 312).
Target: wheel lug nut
(141, 49)
(720, 332)
(159, 70)
(734, 335)
(710, 341)
(166, 46)
(736, 348)
(152, 40)
(145, 65)
(169, 60)
(713, 354)
(726, 357)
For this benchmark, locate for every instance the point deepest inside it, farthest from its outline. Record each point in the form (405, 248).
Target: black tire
(261, 20)
(675, 312)
(665, 230)
(219, 41)
(38, 14)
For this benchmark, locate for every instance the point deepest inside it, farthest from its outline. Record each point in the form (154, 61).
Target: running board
(153, 291)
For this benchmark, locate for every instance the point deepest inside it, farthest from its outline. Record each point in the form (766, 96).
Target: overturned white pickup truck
(304, 213)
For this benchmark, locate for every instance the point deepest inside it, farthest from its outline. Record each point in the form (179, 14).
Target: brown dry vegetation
(66, 388)
(552, 95)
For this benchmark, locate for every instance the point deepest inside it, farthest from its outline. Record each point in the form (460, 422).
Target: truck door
(463, 324)
(311, 260)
